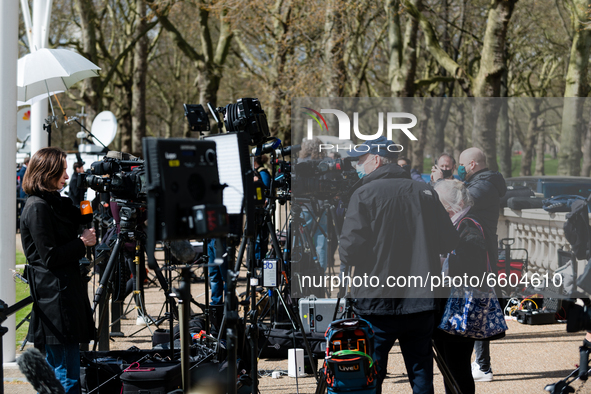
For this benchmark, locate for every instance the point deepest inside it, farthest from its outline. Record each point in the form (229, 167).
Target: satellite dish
(104, 128)
(23, 123)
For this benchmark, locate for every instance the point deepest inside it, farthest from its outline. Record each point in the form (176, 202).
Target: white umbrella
(37, 98)
(51, 70)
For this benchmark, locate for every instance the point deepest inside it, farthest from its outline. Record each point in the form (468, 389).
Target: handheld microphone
(70, 120)
(33, 365)
(85, 207)
(266, 148)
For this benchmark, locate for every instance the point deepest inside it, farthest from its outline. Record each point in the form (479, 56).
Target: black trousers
(457, 353)
(414, 333)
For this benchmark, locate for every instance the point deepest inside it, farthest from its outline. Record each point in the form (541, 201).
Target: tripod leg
(109, 269)
(447, 376)
(321, 385)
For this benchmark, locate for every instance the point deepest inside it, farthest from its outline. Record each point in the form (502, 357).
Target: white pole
(9, 58)
(27, 17)
(41, 17)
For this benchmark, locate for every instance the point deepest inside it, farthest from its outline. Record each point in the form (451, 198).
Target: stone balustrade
(540, 233)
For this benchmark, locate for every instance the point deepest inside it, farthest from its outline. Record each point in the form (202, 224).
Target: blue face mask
(462, 172)
(360, 170)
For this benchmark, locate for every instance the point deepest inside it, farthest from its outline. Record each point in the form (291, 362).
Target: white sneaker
(142, 321)
(475, 366)
(480, 376)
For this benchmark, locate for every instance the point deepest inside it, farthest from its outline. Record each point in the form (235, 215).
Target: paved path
(524, 362)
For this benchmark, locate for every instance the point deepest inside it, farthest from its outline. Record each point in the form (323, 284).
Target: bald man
(486, 188)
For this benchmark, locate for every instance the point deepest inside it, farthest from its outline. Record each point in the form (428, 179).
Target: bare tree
(140, 68)
(569, 156)
(209, 56)
(486, 84)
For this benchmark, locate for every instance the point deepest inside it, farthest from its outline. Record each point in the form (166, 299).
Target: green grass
(22, 291)
(550, 165)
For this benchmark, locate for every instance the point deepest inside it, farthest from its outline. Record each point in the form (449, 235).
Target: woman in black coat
(469, 258)
(62, 317)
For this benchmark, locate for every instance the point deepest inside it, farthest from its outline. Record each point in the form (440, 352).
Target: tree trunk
(540, 147)
(335, 73)
(488, 81)
(417, 156)
(90, 88)
(504, 130)
(140, 68)
(280, 53)
(125, 120)
(586, 170)
(459, 144)
(440, 117)
(533, 129)
(569, 157)
(403, 53)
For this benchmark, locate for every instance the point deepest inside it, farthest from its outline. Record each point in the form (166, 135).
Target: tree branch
(434, 48)
(178, 37)
(431, 80)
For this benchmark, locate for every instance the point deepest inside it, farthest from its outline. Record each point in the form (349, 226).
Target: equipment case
(152, 378)
(316, 313)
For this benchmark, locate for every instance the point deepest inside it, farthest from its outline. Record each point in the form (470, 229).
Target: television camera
(324, 179)
(120, 174)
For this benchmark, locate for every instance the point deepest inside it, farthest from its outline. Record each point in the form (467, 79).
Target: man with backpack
(397, 227)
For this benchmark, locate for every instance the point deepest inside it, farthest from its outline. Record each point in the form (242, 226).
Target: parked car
(552, 185)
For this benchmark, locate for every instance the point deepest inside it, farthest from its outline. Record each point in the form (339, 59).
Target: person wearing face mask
(486, 188)
(444, 169)
(406, 164)
(395, 226)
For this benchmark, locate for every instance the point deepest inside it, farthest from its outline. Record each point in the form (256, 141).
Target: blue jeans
(65, 361)
(319, 239)
(217, 275)
(482, 349)
(414, 333)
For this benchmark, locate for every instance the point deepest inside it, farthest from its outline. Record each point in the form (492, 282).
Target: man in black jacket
(486, 188)
(77, 193)
(395, 228)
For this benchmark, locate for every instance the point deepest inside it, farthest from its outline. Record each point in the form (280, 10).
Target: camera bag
(152, 378)
(349, 365)
(100, 371)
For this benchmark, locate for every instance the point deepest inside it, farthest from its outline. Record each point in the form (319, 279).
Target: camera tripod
(129, 233)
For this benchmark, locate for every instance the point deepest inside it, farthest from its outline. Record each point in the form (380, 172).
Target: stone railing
(540, 233)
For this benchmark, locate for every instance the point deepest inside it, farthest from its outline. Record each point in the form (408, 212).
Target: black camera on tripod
(248, 116)
(323, 179)
(118, 173)
(282, 181)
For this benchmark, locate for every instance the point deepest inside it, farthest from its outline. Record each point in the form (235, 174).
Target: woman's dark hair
(261, 160)
(45, 167)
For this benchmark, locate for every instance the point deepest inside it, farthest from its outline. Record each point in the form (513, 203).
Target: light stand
(75, 119)
(47, 126)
